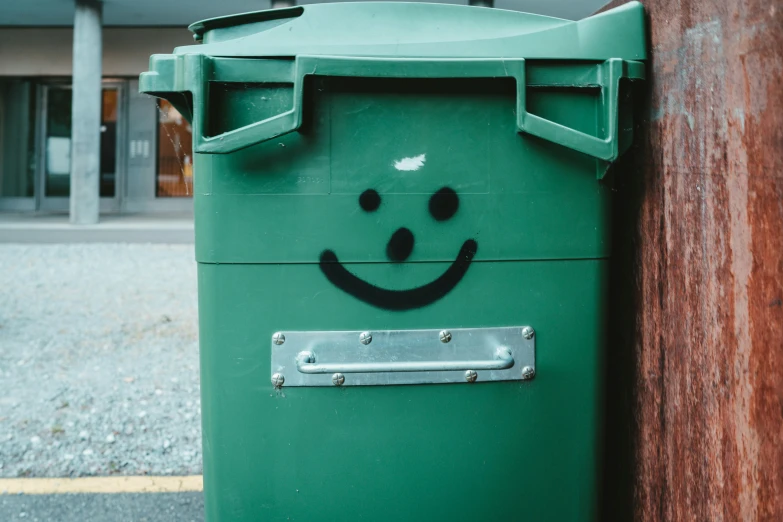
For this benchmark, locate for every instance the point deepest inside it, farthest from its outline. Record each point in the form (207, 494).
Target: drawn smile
(442, 206)
(398, 300)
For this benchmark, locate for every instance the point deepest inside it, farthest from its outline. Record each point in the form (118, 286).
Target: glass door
(55, 171)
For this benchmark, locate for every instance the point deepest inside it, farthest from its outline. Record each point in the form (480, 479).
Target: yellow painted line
(114, 484)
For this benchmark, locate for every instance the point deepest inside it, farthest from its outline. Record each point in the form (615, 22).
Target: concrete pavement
(37, 228)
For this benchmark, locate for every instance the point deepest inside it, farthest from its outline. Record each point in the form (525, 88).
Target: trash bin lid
(421, 30)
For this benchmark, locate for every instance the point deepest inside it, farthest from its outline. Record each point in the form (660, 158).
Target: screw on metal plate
(471, 376)
(278, 380)
(445, 336)
(365, 337)
(528, 332)
(278, 338)
(338, 379)
(528, 373)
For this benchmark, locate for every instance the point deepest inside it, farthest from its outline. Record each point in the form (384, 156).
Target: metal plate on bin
(388, 357)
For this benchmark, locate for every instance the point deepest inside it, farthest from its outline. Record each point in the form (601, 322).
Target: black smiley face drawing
(442, 206)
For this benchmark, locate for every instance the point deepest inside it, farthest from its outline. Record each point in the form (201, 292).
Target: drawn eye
(370, 200)
(444, 204)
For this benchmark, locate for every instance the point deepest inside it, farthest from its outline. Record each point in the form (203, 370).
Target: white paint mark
(413, 163)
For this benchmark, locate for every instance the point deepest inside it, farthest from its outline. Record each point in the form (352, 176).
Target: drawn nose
(400, 245)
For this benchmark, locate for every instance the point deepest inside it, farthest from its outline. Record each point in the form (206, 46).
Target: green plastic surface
(511, 187)
(493, 451)
(607, 76)
(387, 40)
(299, 112)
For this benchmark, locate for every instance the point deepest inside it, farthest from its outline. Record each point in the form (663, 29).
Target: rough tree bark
(695, 367)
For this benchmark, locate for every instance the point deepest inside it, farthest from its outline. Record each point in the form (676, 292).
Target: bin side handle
(604, 148)
(392, 357)
(306, 363)
(342, 66)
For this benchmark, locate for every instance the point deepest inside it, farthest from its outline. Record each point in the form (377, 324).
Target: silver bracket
(388, 357)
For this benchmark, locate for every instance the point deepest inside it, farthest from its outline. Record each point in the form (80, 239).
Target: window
(17, 138)
(175, 153)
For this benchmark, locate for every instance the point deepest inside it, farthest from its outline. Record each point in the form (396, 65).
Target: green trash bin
(402, 235)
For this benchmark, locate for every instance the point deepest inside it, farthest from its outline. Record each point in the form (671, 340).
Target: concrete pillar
(86, 110)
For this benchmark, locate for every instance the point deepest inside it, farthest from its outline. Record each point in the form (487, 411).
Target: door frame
(62, 204)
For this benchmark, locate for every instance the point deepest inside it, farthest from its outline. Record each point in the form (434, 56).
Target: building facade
(75, 134)
(143, 145)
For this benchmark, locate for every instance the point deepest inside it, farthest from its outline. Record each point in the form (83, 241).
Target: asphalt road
(114, 507)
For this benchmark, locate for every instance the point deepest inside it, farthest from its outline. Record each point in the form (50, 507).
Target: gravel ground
(98, 360)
